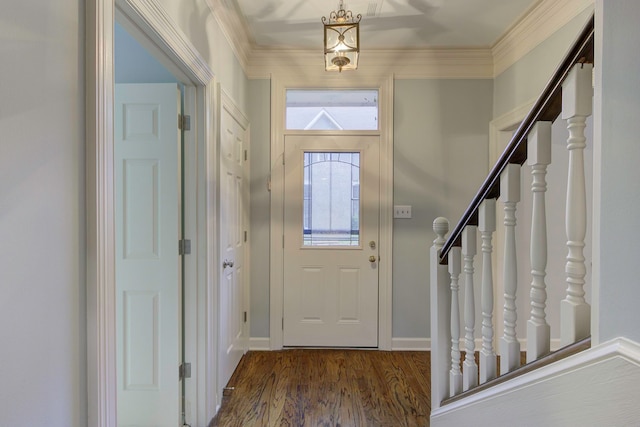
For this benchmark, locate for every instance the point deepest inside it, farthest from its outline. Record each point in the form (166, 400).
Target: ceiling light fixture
(341, 40)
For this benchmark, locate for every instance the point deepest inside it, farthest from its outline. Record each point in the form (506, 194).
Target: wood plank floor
(328, 388)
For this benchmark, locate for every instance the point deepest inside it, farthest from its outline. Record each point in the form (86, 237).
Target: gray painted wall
(42, 219)
(525, 79)
(42, 200)
(260, 117)
(517, 85)
(617, 129)
(134, 64)
(440, 157)
(441, 151)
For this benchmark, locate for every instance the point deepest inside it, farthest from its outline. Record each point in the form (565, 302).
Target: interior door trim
(191, 69)
(279, 84)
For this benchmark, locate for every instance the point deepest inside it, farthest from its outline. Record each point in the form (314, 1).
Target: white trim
(538, 24)
(411, 344)
(458, 63)
(616, 347)
(153, 21)
(259, 344)
(101, 322)
(235, 30)
(279, 84)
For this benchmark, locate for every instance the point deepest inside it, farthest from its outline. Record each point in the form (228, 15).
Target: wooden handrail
(546, 108)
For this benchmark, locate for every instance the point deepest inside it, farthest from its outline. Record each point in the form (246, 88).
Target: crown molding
(535, 26)
(471, 63)
(234, 27)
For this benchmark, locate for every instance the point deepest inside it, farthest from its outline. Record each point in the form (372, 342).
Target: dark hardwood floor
(328, 388)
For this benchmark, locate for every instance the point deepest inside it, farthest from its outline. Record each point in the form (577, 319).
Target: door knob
(226, 264)
(372, 258)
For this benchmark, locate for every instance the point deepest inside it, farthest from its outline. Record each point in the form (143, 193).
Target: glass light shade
(341, 46)
(341, 40)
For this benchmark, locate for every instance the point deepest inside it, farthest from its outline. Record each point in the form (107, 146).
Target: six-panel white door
(148, 292)
(233, 220)
(331, 222)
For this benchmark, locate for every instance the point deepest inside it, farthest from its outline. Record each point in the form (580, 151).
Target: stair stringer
(597, 387)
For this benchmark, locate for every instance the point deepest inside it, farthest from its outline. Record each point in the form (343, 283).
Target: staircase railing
(569, 95)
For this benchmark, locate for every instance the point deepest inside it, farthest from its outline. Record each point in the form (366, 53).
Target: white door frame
(149, 19)
(279, 84)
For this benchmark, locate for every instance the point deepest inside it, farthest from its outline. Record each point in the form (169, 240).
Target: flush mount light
(341, 40)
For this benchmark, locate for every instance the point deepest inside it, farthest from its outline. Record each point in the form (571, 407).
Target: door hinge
(184, 371)
(184, 122)
(269, 184)
(245, 317)
(245, 155)
(184, 247)
(245, 235)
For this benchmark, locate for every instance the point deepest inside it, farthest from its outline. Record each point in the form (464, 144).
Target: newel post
(440, 317)
(577, 94)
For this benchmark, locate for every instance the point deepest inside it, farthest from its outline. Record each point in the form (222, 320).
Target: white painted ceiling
(386, 24)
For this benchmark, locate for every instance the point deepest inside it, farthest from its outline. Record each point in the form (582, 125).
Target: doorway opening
(149, 206)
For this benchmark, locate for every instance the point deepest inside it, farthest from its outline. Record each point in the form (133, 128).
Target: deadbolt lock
(372, 244)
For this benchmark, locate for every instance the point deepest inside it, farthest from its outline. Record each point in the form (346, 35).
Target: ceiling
(385, 24)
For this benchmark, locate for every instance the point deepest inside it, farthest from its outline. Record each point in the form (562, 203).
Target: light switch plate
(402, 211)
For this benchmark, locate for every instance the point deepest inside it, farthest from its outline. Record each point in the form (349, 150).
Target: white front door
(233, 220)
(148, 290)
(331, 221)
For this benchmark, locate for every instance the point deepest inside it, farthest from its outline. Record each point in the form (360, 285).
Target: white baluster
(440, 318)
(487, 225)
(539, 157)
(470, 371)
(455, 375)
(510, 195)
(575, 313)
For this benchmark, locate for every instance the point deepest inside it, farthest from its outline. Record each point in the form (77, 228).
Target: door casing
(279, 85)
(152, 28)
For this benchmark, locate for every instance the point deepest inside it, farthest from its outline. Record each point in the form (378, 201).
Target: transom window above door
(332, 109)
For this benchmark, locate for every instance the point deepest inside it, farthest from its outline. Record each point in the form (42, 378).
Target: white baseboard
(410, 344)
(398, 344)
(259, 343)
